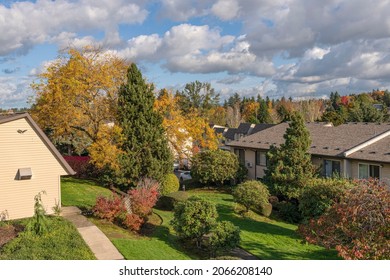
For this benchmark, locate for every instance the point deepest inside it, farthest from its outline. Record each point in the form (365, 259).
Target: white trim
(367, 143)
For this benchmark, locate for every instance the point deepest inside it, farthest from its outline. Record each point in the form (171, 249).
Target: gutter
(367, 143)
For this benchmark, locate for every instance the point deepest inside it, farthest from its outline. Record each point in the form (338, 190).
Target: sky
(292, 48)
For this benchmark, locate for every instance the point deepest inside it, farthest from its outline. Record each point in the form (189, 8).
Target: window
(241, 155)
(369, 171)
(261, 158)
(331, 168)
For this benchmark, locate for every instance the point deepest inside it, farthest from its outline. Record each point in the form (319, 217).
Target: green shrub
(38, 224)
(252, 195)
(320, 195)
(214, 166)
(194, 218)
(168, 202)
(289, 212)
(170, 184)
(225, 235)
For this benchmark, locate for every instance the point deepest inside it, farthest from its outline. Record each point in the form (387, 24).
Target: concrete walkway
(100, 245)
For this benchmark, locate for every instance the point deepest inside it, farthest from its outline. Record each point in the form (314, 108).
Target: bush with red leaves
(144, 197)
(358, 226)
(141, 201)
(109, 208)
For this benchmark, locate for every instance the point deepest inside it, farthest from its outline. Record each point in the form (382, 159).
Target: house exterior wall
(384, 169)
(348, 167)
(250, 157)
(26, 150)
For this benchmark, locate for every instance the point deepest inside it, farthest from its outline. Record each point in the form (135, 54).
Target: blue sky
(297, 48)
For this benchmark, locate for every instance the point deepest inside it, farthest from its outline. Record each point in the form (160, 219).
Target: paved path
(100, 245)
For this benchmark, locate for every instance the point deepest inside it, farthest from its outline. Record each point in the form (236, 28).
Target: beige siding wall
(21, 151)
(385, 173)
(250, 158)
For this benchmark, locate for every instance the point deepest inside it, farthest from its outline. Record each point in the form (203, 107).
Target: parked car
(185, 175)
(176, 166)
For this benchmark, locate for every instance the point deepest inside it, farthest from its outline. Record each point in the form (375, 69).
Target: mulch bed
(9, 232)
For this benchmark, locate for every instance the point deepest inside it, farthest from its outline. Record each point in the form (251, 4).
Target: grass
(81, 193)
(61, 242)
(160, 245)
(263, 237)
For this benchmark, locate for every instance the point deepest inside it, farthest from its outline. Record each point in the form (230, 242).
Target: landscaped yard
(81, 193)
(60, 242)
(263, 237)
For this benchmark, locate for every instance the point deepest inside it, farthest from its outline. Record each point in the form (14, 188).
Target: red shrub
(109, 208)
(144, 197)
(133, 222)
(358, 226)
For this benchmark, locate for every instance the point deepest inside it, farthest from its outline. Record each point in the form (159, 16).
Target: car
(176, 166)
(185, 175)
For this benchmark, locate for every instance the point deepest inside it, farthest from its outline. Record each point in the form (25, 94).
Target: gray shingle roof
(379, 151)
(326, 140)
(229, 134)
(244, 128)
(260, 127)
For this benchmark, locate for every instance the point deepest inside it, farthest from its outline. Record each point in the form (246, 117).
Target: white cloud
(183, 10)
(14, 92)
(226, 9)
(25, 24)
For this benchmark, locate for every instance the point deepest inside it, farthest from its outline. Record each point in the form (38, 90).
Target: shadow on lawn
(226, 213)
(163, 234)
(270, 253)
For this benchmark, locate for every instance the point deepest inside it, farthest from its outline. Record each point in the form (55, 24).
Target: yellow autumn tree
(250, 111)
(187, 132)
(76, 96)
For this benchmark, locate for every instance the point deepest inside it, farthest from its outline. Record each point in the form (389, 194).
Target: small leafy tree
(252, 195)
(214, 166)
(358, 226)
(289, 166)
(38, 225)
(225, 235)
(194, 218)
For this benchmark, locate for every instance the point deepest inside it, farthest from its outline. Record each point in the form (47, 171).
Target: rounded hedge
(253, 195)
(170, 184)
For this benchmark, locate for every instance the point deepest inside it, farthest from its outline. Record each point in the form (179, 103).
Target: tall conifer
(145, 147)
(289, 166)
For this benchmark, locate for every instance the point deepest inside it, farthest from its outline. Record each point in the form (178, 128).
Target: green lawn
(61, 242)
(81, 193)
(263, 237)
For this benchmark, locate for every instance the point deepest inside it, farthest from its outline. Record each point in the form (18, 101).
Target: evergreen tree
(145, 147)
(264, 115)
(289, 166)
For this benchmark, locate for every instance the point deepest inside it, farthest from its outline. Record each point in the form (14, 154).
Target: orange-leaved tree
(76, 96)
(185, 130)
